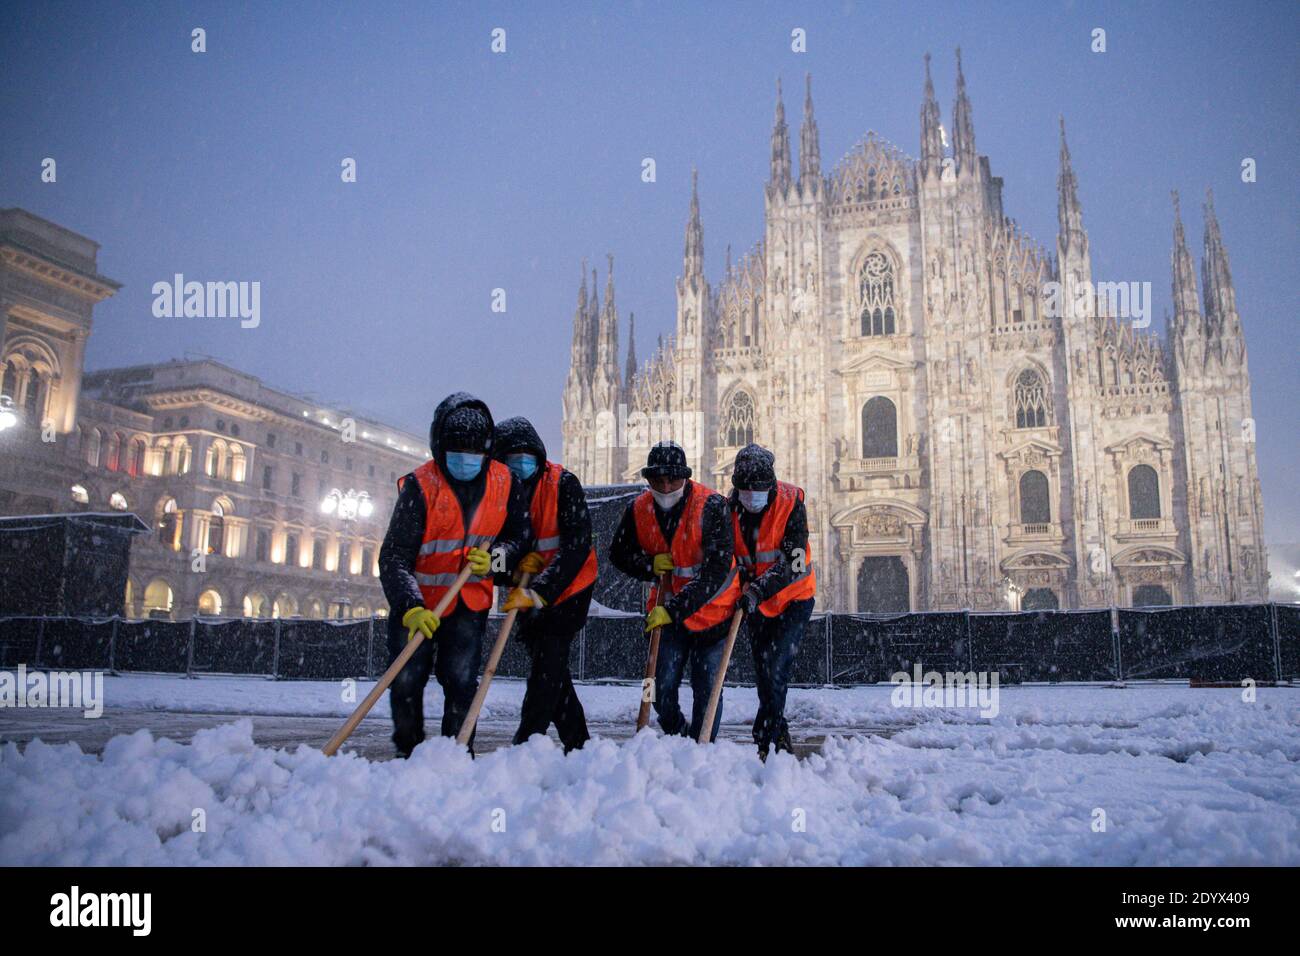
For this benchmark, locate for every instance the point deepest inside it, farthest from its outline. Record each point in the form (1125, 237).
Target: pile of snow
(1182, 777)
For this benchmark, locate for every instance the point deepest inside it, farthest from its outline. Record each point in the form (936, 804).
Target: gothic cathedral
(971, 430)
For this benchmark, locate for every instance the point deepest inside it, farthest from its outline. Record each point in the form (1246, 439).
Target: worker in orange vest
(562, 562)
(451, 511)
(681, 529)
(770, 528)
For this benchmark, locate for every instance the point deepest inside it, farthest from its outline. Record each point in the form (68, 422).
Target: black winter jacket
(781, 573)
(401, 547)
(517, 435)
(627, 555)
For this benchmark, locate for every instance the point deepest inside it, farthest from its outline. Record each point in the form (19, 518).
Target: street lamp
(8, 417)
(347, 505)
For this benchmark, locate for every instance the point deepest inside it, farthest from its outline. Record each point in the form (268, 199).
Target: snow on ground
(1184, 776)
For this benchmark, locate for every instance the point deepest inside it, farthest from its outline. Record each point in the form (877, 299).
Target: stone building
(234, 477)
(976, 421)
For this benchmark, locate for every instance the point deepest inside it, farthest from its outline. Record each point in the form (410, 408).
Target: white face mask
(666, 499)
(753, 500)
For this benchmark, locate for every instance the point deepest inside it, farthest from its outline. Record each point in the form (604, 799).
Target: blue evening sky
(479, 170)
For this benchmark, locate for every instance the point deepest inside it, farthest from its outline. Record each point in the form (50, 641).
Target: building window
(318, 555)
(91, 446)
(297, 448)
(737, 421)
(113, 460)
(80, 495)
(324, 457)
(270, 439)
(135, 462)
(295, 488)
(216, 529)
(348, 464)
(263, 545)
(1035, 498)
(372, 471)
(367, 560)
(879, 429)
(221, 424)
(291, 550)
(266, 477)
(1030, 400)
(9, 381)
(167, 524)
(234, 429)
(117, 501)
(876, 289)
(1143, 493)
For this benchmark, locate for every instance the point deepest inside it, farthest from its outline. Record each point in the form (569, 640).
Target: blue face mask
(463, 465)
(523, 466)
(754, 500)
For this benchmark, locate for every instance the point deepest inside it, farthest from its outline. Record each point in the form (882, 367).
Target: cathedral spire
(963, 127)
(1187, 315)
(582, 354)
(931, 135)
(780, 177)
(810, 151)
(1216, 277)
(693, 259)
(629, 373)
(608, 341)
(1069, 212)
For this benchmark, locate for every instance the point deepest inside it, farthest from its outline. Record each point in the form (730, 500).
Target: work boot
(762, 751)
(783, 742)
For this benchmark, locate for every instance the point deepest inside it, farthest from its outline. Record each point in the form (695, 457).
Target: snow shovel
(652, 661)
(494, 658)
(344, 732)
(715, 695)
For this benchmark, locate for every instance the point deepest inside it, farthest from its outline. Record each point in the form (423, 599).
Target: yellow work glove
(420, 619)
(480, 562)
(521, 599)
(531, 563)
(657, 618)
(663, 563)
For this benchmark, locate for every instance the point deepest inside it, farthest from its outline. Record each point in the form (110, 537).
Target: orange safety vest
(687, 550)
(771, 529)
(545, 512)
(448, 537)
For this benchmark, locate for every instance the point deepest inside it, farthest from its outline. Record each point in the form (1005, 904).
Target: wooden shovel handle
(494, 658)
(394, 669)
(715, 695)
(651, 663)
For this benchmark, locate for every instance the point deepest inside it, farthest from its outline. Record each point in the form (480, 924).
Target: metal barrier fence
(1209, 643)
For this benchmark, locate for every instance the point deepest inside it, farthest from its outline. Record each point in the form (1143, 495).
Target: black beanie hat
(466, 428)
(755, 468)
(666, 460)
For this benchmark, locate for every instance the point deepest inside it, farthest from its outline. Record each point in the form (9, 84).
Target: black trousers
(550, 696)
(452, 655)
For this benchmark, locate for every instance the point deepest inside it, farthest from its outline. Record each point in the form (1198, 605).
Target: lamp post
(347, 505)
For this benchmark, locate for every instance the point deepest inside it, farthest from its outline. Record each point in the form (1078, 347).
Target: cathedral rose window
(877, 292)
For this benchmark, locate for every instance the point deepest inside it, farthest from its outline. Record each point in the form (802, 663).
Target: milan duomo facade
(965, 440)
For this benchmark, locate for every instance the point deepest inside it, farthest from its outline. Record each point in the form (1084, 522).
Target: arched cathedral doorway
(882, 585)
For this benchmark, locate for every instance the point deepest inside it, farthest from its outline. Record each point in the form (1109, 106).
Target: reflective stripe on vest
(687, 550)
(447, 540)
(771, 529)
(545, 512)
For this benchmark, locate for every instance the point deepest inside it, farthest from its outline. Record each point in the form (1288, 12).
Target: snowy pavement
(1144, 774)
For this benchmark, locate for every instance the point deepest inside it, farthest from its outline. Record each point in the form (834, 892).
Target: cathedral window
(879, 429)
(1029, 400)
(1143, 493)
(877, 292)
(1035, 498)
(737, 421)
